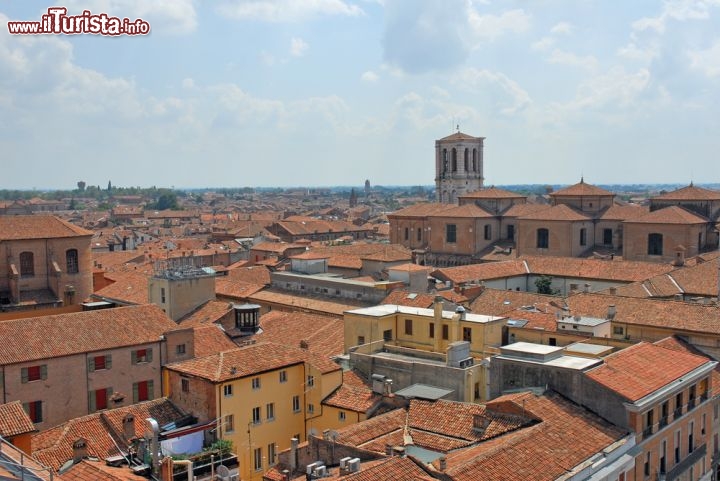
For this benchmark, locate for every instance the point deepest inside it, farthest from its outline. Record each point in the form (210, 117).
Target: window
(419, 234)
(361, 340)
(256, 383)
(677, 446)
(283, 376)
(607, 237)
(229, 423)
(185, 385)
(646, 470)
(141, 356)
(256, 415)
(387, 335)
(296, 404)
(663, 453)
(98, 363)
(257, 459)
(341, 416)
(272, 454)
(454, 160)
(227, 390)
(583, 236)
(467, 334)
(618, 330)
(180, 349)
(488, 232)
(407, 233)
(33, 373)
(655, 244)
(143, 391)
(431, 333)
(71, 261)
(162, 295)
(445, 332)
(465, 160)
(450, 233)
(27, 264)
(408, 327)
(311, 408)
(270, 411)
(691, 437)
(34, 411)
(98, 399)
(552, 341)
(543, 236)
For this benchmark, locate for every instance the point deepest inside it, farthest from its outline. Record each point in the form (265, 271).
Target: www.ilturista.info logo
(57, 21)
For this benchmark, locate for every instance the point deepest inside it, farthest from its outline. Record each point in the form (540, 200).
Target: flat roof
(388, 309)
(585, 348)
(583, 321)
(531, 348)
(424, 391)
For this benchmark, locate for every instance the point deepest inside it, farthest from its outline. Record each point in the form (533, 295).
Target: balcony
(691, 404)
(704, 397)
(677, 413)
(647, 431)
(663, 422)
(685, 465)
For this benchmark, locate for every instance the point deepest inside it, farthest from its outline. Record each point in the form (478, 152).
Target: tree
(109, 186)
(81, 186)
(544, 286)
(167, 200)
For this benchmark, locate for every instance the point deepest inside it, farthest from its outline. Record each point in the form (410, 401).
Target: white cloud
(480, 80)
(188, 83)
(561, 57)
(298, 47)
(287, 10)
(544, 44)
(562, 28)
(616, 87)
(166, 16)
(633, 51)
(490, 27)
(707, 61)
(369, 76)
(267, 58)
(679, 10)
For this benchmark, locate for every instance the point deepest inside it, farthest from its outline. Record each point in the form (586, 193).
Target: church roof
(560, 212)
(670, 215)
(581, 189)
(459, 136)
(492, 193)
(467, 210)
(690, 193)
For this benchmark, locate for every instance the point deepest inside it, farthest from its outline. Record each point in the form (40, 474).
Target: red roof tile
(582, 189)
(16, 227)
(669, 215)
(14, 420)
(690, 192)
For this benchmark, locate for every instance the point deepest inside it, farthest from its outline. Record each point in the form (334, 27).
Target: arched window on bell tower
(466, 158)
(474, 160)
(454, 160)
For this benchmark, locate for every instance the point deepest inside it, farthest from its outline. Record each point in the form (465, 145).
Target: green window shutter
(135, 393)
(149, 354)
(91, 364)
(108, 361)
(43, 372)
(24, 375)
(91, 401)
(108, 393)
(150, 386)
(133, 357)
(40, 411)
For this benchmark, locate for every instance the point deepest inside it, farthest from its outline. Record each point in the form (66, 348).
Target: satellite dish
(223, 473)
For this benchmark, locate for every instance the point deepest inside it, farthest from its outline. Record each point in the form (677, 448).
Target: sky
(234, 93)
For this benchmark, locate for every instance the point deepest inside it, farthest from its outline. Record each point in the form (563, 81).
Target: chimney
(586, 287)
(443, 463)
(128, 424)
(613, 291)
(389, 449)
(611, 312)
(79, 450)
(294, 442)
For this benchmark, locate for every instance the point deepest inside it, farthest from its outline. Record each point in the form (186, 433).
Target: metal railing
(25, 467)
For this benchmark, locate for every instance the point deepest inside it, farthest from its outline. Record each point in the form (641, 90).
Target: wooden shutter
(150, 388)
(149, 354)
(91, 402)
(43, 372)
(133, 357)
(91, 364)
(108, 361)
(24, 375)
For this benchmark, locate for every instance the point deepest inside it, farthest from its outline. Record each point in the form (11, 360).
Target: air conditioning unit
(354, 465)
(310, 467)
(320, 472)
(344, 462)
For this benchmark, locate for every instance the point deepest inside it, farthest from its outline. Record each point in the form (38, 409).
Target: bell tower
(458, 166)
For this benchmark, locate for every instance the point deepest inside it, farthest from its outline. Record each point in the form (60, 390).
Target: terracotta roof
(388, 255)
(87, 470)
(535, 320)
(45, 337)
(248, 361)
(54, 446)
(617, 270)
(410, 267)
(559, 212)
(581, 189)
(669, 215)
(395, 468)
(324, 335)
(354, 394)
(129, 287)
(624, 212)
(252, 275)
(479, 272)
(421, 210)
(406, 298)
(497, 302)
(459, 136)
(521, 210)
(492, 193)
(463, 211)
(235, 289)
(276, 247)
(17, 227)
(309, 255)
(301, 303)
(676, 344)
(690, 192)
(207, 313)
(643, 368)
(14, 420)
(211, 339)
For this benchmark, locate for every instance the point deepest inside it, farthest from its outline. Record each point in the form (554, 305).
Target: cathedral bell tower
(458, 166)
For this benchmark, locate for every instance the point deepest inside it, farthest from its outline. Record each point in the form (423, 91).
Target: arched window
(71, 261)
(655, 244)
(445, 161)
(27, 264)
(583, 236)
(475, 166)
(543, 238)
(454, 160)
(466, 159)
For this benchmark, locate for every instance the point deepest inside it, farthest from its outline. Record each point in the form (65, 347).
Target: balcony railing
(704, 397)
(647, 431)
(677, 412)
(691, 404)
(663, 421)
